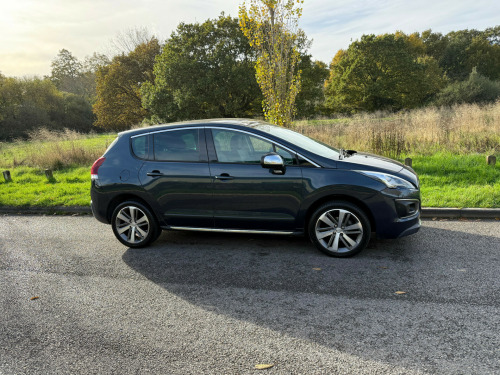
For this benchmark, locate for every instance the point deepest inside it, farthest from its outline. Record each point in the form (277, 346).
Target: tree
(66, 72)
(127, 41)
(381, 73)
(90, 66)
(30, 103)
(119, 103)
(72, 76)
(205, 70)
(310, 99)
(459, 51)
(271, 26)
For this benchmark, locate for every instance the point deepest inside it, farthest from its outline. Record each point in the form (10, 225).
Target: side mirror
(273, 161)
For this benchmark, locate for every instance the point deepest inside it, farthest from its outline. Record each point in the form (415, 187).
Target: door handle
(223, 177)
(155, 173)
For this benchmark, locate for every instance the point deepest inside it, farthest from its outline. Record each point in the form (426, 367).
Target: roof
(218, 121)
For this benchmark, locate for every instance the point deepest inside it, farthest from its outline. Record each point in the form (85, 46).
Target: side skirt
(221, 230)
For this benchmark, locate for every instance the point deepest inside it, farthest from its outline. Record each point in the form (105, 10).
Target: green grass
(68, 154)
(450, 180)
(447, 179)
(30, 187)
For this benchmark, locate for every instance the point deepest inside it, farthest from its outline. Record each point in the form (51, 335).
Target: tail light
(95, 168)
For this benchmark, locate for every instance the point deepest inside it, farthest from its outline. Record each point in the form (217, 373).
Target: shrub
(476, 89)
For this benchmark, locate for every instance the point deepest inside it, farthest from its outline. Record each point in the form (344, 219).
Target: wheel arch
(127, 197)
(339, 197)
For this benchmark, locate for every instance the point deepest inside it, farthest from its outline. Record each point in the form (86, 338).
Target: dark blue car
(248, 176)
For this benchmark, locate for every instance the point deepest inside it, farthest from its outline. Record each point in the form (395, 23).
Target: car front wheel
(134, 225)
(339, 229)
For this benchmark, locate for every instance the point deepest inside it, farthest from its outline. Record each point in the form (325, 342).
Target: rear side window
(178, 145)
(140, 146)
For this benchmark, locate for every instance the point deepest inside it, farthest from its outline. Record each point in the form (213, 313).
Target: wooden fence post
(491, 160)
(408, 162)
(6, 175)
(48, 174)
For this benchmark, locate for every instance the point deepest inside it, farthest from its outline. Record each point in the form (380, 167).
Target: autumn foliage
(119, 103)
(271, 27)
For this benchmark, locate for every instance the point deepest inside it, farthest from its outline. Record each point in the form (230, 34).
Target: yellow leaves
(271, 27)
(34, 298)
(263, 366)
(399, 292)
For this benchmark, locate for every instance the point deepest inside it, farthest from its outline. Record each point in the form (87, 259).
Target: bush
(27, 104)
(476, 89)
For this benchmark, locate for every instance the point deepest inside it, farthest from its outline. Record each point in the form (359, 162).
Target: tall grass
(54, 149)
(460, 129)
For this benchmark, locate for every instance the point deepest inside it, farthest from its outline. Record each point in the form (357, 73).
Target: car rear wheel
(339, 229)
(134, 225)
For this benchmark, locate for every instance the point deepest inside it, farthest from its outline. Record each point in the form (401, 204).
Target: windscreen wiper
(346, 153)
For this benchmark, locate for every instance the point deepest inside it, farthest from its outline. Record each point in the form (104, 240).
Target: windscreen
(300, 140)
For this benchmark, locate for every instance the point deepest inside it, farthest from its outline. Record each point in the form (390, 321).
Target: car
(248, 176)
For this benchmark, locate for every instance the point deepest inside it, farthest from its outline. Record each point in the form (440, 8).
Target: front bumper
(411, 230)
(398, 215)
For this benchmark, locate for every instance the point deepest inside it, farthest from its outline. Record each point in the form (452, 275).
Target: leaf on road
(317, 269)
(34, 298)
(400, 292)
(263, 366)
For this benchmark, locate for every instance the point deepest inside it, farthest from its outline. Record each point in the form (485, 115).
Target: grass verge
(30, 187)
(451, 180)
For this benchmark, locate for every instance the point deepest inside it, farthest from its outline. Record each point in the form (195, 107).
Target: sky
(33, 31)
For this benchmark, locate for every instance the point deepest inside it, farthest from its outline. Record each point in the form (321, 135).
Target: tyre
(134, 225)
(339, 229)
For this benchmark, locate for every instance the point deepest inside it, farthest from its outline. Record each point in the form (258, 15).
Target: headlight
(388, 179)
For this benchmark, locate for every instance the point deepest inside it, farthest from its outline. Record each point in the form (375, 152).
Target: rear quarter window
(140, 146)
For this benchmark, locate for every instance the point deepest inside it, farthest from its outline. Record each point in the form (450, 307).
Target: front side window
(237, 147)
(178, 145)
(287, 157)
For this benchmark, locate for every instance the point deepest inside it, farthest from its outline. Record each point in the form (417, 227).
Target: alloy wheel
(339, 231)
(132, 225)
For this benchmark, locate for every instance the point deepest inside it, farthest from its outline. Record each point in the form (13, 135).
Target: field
(448, 148)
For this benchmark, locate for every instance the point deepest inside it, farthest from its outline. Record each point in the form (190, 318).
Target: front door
(246, 195)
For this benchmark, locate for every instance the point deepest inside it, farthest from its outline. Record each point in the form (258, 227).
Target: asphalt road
(198, 303)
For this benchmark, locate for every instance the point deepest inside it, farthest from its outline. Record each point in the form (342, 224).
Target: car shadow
(394, 302)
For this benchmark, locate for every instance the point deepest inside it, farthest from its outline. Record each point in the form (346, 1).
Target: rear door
(177, 177)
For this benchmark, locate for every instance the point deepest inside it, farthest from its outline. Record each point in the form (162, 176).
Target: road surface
(73, 300)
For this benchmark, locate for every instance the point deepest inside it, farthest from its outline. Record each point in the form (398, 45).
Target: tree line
(207, 69)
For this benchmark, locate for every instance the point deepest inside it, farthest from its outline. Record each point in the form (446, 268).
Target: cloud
(34, 31)
(334, 25)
